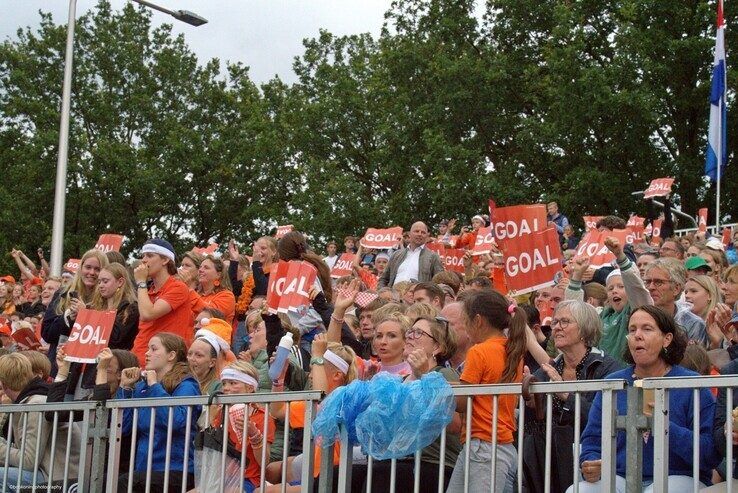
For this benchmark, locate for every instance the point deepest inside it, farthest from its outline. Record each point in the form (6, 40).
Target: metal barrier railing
(86, 437)
(607, 387)
(661, 388)
(713, 230)
(117, 408)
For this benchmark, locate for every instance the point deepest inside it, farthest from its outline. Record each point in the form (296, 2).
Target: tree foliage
(578, 101)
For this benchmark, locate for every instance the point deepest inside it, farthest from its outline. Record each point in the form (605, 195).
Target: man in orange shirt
(163, 305)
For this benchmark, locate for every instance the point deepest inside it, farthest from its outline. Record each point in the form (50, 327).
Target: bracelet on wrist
(336, 319)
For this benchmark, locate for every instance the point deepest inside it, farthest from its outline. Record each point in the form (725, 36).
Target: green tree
(159, 144)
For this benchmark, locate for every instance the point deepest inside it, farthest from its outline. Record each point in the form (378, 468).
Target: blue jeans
(26, 478)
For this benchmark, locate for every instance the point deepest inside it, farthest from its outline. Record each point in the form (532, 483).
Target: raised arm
(637, 293)
(578, 266)
(344, 301)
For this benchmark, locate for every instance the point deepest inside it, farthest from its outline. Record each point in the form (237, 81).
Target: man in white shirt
(415, 262)
(332, 258)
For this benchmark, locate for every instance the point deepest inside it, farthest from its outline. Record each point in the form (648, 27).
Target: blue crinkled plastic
(342, 406)
(389, 418)
(403, 418)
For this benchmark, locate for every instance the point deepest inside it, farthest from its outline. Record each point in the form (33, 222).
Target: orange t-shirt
(485, 363)
(223, 300)
(178, 321)
(297, 420)
(235, 435)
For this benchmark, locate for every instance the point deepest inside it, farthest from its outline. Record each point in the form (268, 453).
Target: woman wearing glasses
(576, 329)
(428, 345)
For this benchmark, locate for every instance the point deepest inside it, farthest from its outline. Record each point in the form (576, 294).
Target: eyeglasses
(561, 322)
(656, 282)
(667, 249)
(416, 333)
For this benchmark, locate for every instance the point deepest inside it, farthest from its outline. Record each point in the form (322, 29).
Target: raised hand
(578, 266)
(233, 253)
(613, 244)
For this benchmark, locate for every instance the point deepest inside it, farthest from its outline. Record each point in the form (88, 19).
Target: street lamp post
(60, 188)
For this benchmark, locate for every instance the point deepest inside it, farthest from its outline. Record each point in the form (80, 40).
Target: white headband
(154, 248)
(336, 361)
(231, 374)
(614, 273)
(210, 339)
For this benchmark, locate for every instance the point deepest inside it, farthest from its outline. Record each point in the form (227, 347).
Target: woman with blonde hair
(265, 256)
(7, 307)
(703, 293)
(66, 303)
(115, 292)
(332, 365)
(244, 421)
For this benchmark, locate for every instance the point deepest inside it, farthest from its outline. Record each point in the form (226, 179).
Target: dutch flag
(717, 133)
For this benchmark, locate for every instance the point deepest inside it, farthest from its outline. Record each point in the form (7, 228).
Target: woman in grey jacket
(576, 331)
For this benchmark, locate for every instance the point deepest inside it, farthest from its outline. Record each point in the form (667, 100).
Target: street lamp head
(189, 17)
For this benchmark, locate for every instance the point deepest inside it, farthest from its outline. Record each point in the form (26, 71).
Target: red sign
(593, 245)
(532, 261)
(660, 187)
(451, 258)
(590, 222)
(109, 243)
(72, 265)
(382, 239)
(291, 285)
(208, 250)
(702, 222)
(283, 230)
(26, 339)
(654, 229)
(300, 278)
(635, 223)
(492, 206)
(518, 220)
(276, 285)
(485, 241)
(344, 266)
(727, 233)
(89, 336)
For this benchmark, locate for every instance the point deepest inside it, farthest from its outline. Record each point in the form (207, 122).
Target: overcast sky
(264, 34)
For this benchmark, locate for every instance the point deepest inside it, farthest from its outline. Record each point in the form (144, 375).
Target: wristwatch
(316, 361)
(142, 285)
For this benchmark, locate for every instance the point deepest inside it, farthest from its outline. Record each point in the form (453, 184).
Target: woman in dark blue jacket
(167, 374)
(655, 346)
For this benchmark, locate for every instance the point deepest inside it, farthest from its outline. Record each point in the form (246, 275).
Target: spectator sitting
(167, 375)
(576, 330)
(31, 437)
(656, 345)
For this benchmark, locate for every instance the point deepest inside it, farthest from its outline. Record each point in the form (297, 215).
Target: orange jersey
(485, 363)
(178, 321)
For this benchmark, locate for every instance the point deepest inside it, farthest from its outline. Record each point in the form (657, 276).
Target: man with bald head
(454, 313)
(414, 262)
